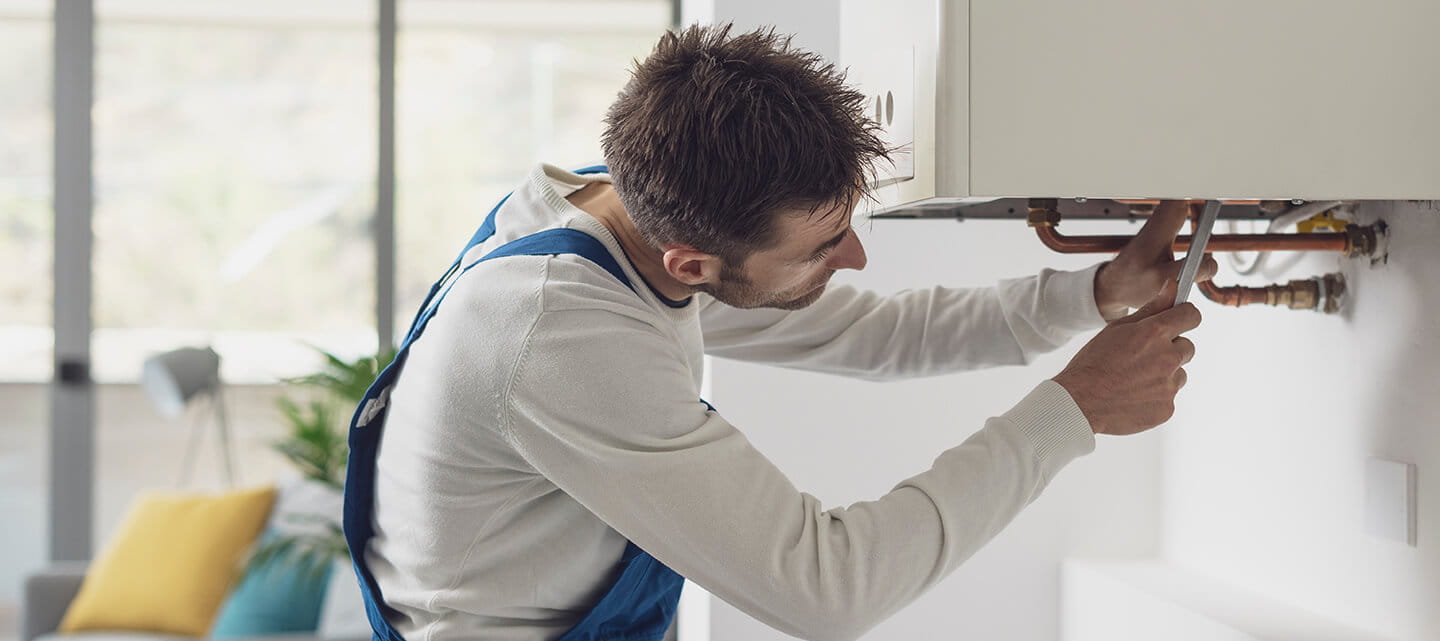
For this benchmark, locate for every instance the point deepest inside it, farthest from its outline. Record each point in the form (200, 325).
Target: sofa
(49, 592)
(336, 611)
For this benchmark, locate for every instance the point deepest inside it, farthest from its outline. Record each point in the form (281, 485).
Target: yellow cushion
(171, 563)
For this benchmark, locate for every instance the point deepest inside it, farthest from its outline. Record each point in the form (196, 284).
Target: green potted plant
(317, 445)
(287, 578)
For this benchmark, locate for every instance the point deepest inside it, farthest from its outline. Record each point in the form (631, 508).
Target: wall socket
(1390, 500)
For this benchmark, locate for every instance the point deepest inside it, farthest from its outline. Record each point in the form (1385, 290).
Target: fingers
(1186, 348)
(1177, 320)
(1208, 269)
(1161, 302)
(1159, 232)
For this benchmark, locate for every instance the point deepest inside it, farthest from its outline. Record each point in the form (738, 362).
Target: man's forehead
(816, 226)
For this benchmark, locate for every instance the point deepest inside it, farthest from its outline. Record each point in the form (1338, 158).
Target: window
(27, 226)
(235, 188)
(485, 91)
(234, 158)
(26, 262)
(234, 169)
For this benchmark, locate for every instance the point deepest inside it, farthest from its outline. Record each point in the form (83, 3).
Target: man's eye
(819, 256)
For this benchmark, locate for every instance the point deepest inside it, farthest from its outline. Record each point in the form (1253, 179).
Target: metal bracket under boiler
(1074, 209)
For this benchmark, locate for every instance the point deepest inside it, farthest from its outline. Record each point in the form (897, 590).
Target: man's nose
(849, 254)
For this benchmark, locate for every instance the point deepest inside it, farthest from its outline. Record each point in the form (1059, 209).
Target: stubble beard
(736, 290)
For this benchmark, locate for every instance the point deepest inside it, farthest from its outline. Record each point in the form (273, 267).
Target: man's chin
(803, 301)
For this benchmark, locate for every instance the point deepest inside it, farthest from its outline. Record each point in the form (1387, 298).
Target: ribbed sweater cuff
(1054, 424)
(1070, 300)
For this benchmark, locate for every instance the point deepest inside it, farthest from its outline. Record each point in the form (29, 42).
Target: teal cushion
(276, 597)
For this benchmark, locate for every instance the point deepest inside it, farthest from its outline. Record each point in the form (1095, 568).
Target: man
(546, 468)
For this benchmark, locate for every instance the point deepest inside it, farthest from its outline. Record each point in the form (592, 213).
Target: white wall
(814, 23)
(846, 441)
(1264, 483)
(1258, 481)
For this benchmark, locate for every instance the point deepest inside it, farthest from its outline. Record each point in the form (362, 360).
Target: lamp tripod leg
(227, 448)
(187, 470)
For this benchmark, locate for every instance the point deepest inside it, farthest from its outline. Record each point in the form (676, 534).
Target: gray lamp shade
(171, 379)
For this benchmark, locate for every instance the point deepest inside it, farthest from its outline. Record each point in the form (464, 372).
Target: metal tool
(1200, 236)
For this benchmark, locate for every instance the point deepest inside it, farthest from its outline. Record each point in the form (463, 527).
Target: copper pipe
(1218, 243)
(1234, 296)
(1315, 293)
(1322, 292)
(1354, 241)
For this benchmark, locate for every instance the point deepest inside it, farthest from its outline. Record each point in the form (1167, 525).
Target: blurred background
(235, 155)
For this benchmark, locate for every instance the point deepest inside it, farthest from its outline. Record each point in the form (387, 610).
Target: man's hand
(1137, 272)
(1125, 379)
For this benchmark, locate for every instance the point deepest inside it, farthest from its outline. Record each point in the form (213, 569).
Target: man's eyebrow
(831, 243)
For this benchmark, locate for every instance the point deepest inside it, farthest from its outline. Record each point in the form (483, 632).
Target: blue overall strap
(487, 228)
(638, 607)
(642, 602)
(482, 234)
(368, 422)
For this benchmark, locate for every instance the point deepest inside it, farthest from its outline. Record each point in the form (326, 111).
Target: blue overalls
(642, 602)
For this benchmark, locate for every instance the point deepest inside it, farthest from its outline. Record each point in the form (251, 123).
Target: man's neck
(602, 203)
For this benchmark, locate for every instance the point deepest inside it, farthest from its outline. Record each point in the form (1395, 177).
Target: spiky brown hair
(715, 134)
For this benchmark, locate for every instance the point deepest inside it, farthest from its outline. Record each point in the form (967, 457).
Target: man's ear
(691, 266)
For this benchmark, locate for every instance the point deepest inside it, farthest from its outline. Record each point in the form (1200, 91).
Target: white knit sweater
(549, 413)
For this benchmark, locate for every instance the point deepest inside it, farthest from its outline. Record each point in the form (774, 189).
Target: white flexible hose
(1241, 266)
(1287, 218)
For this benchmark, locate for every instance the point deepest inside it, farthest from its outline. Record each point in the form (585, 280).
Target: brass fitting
(1044, 212)
(1323, 293)
(1332, 292)
(1360, 240)
(1296, 294)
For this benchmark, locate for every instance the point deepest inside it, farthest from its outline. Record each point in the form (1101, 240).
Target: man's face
(794, 272)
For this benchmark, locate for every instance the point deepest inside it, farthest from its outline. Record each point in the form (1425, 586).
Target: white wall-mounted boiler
(1240, 99)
